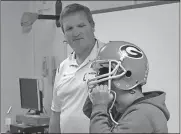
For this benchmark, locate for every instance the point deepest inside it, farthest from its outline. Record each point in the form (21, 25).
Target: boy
(122, 70)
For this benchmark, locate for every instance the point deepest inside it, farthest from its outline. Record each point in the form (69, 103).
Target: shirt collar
(92, 55)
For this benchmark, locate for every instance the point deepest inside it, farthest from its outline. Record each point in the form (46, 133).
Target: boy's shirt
(146, 115)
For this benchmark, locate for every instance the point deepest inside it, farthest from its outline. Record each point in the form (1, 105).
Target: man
(70, 88)
(122, 70)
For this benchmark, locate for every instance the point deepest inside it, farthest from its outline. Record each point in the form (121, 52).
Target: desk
(21, 128)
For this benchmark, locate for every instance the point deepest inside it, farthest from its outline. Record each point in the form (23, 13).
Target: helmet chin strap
(113, 93)
(109, 81)
(112, 104)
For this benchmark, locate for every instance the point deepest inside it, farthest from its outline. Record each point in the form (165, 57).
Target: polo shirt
(70, 92)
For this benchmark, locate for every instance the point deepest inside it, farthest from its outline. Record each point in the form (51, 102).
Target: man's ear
(93, 29)
(65, 40)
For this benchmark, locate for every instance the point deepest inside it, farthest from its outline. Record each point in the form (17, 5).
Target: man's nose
(75, 32)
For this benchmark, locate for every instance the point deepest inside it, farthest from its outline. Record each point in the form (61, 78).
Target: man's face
(78, 32)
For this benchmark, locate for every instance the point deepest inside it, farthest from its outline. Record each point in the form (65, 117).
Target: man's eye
(81, 25)
(70, 28)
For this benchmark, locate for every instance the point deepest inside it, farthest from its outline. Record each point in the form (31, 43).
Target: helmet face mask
(122, 61)
(106, 71)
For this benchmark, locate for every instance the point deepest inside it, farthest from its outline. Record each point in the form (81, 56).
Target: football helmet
(121, 61)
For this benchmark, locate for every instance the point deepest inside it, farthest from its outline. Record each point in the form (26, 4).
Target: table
(22, 128)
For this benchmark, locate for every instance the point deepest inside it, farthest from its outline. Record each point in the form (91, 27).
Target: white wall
(16, 56)
(156, 31)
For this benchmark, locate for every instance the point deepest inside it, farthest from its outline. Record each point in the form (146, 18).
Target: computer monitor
(31, 96)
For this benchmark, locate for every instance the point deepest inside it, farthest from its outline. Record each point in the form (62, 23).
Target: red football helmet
(122, 61)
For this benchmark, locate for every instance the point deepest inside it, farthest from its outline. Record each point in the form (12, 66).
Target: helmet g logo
(130, 51)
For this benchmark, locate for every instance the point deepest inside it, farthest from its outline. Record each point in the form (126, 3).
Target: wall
(16, 56)
(156, 30)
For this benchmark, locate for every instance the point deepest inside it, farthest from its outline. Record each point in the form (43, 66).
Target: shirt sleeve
(56, 102)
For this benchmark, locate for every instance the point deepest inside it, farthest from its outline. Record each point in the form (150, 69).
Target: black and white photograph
(90, 66)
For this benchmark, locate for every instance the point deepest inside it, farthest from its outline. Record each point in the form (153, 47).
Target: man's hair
(74, 8)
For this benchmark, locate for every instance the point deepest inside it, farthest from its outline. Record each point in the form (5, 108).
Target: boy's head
(124, 68)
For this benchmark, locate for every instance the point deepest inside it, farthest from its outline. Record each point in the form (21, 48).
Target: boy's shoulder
(144, 109)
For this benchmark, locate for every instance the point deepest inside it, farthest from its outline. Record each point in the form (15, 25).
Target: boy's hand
(101, 95)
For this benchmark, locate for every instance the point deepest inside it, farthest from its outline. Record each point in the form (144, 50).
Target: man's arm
(54, 125)
(134, 122)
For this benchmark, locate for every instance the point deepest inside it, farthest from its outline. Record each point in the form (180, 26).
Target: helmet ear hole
(128, 73)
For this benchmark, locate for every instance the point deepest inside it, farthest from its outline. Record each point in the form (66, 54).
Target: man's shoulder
(101, 44)
(63, 64)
